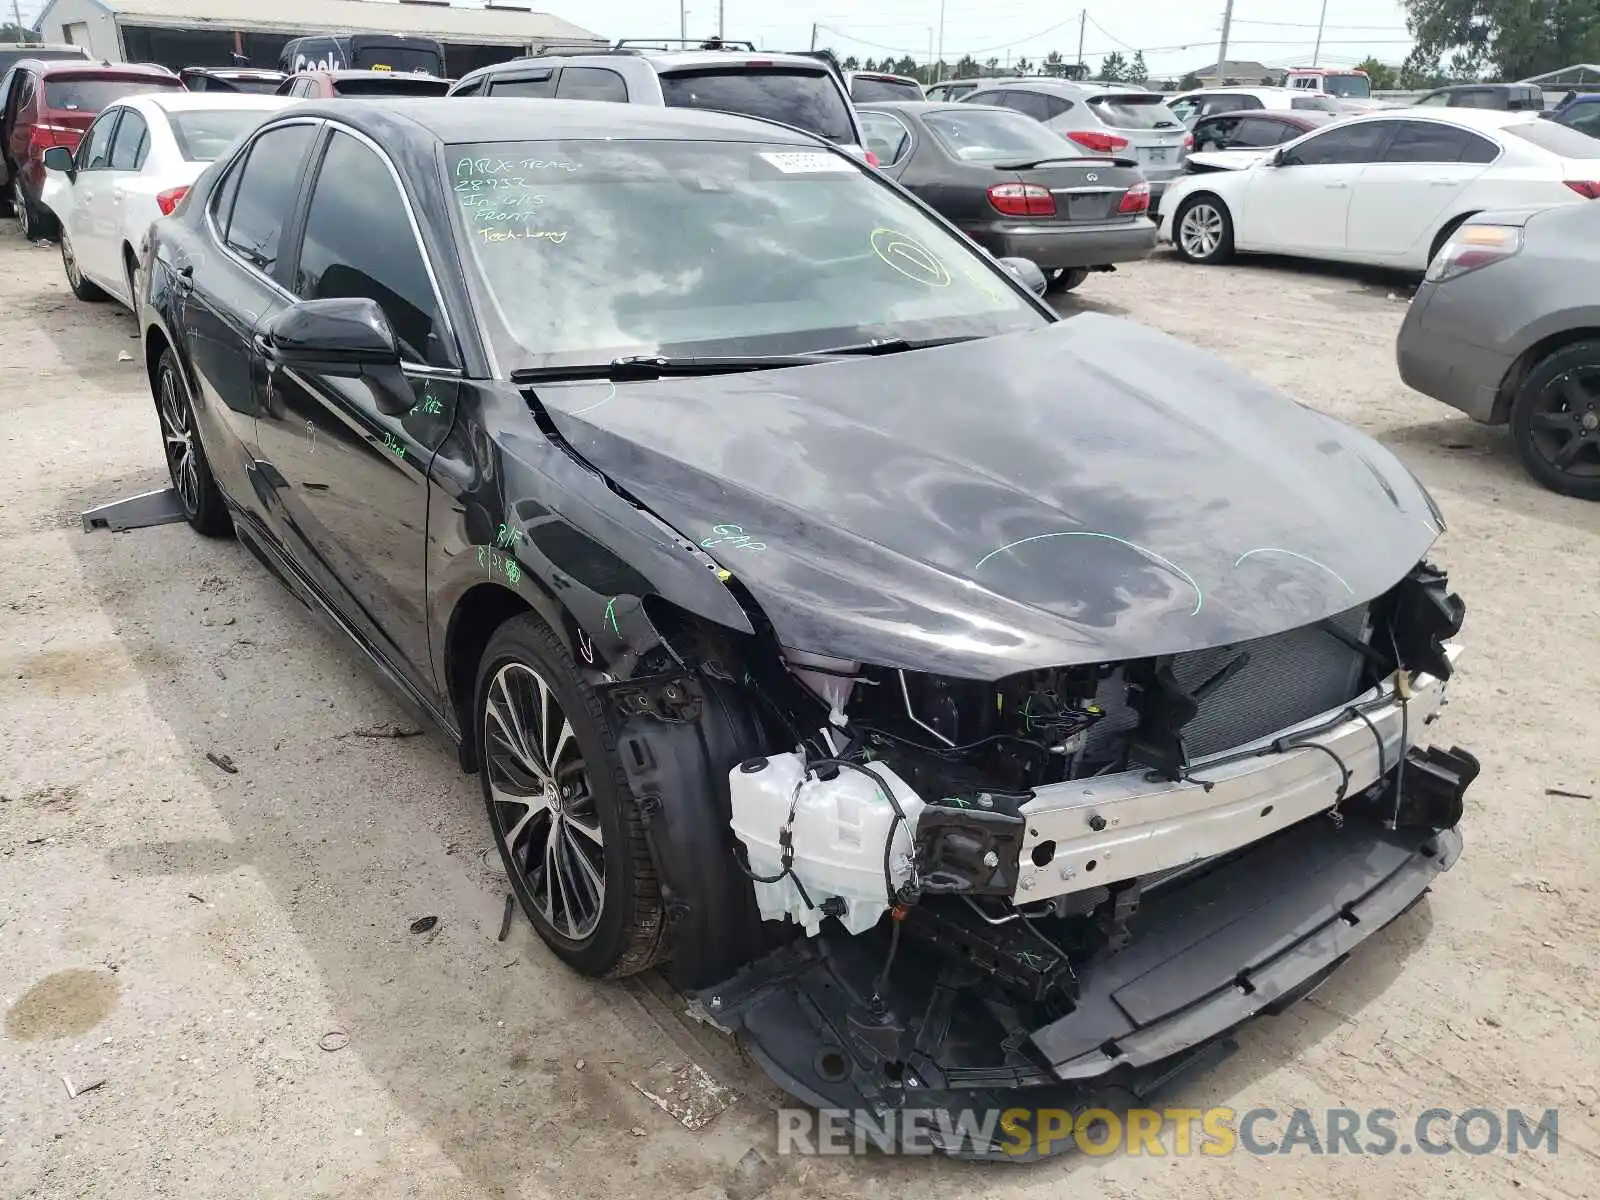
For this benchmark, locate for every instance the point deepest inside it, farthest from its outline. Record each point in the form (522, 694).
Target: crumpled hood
(1088, 492)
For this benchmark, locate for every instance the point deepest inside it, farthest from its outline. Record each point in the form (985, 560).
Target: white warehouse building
(184, 33)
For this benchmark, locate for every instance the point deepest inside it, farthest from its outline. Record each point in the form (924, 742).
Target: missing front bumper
(1251, 935)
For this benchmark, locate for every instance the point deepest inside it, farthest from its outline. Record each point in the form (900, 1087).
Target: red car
(44, 104)
(323, 85)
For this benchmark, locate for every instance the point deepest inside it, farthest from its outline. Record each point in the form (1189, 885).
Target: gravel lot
(189, 935)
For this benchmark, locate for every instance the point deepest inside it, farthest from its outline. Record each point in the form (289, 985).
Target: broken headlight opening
(1075, 882)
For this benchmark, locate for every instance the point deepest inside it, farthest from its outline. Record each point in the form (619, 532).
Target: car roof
(235, 72)
(1245, 89)
(917, 107)
(1480, 118)
(177, 101)
(465, 119)
(883, 75)
(661, 59)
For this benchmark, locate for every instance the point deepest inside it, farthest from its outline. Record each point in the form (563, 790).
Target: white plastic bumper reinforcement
(1091, 832)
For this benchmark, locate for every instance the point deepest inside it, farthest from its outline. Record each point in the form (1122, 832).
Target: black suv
(798, 90)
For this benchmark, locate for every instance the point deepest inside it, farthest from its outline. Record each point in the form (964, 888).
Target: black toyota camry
(957, 700)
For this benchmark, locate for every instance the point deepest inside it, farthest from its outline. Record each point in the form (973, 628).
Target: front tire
(560, 808)
(1555, 421)
(81, 287)
(1202, 230)
(202, 501)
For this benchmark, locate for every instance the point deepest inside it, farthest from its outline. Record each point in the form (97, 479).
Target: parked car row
(685, 474)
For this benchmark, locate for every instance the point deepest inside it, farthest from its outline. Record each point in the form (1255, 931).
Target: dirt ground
(194, 937)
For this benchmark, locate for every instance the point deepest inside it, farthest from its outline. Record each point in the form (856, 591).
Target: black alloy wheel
(1555, 421)
(202, 502)
(563, 818)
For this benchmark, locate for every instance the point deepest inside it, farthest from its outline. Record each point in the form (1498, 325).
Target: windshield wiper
(642, 367)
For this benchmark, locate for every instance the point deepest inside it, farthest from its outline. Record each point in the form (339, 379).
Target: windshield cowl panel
(581, 252)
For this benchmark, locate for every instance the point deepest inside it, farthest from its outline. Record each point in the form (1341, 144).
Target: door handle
(1335, 186)
(1443, 183)
(263, 346)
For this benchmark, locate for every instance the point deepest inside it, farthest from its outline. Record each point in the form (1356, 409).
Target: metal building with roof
(202, 33)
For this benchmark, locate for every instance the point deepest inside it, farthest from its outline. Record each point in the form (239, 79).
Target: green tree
(1137, 71)
(967, 67)
(1054, 66)
(1024, 66)
(1113, 67)
(851, 63)
(1508, 39)
(10, 32)
(906, 65)
(1189, 82)
(991, 66)
(1384, 77)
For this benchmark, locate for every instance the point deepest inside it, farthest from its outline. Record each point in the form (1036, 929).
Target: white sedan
(134, 164)
(1386, 189)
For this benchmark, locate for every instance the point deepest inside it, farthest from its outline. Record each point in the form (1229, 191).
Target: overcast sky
(1175, 35)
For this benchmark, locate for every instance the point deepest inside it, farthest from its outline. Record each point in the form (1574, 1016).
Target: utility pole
(938, 69)
(1083, 20)
(16, 11)
(1222, 53)
(720, 6)
(813, 35)
(683, 20)
(1315, 54)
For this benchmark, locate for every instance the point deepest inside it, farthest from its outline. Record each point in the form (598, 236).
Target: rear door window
(90, 95)
(1216, 133)
(1431, 142)
(591, 83)
(808, 100)
(1134, 111)
(886, 136)
(264, 199)
(1029, 104)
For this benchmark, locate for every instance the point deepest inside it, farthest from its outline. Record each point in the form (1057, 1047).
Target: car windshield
(1134, 111)
(253, 84)
(90, 93)
(864, 89)
(203, 134)
(1556, 138)
(1348, 87)
(365, 57)
(589, 250)
(995, 135)
(805, 99)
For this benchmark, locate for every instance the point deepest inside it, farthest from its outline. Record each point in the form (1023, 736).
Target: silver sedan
(1506, 328)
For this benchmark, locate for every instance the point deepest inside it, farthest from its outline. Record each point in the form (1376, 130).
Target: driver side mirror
(59, 158)
(346, 337)
(1026, 272)
(1280, 158)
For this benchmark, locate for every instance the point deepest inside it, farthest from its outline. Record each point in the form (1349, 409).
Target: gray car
(1103, 119)
(1503, 328)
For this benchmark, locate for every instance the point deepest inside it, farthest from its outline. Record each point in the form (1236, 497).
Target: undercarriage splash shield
(1251, 935)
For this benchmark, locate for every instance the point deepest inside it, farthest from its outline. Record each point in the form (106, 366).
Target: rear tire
(1555, 421)
(202, 501)
(1066, 279)
(81, 287)
(1202, 230)
(34, 221)
(563, 816)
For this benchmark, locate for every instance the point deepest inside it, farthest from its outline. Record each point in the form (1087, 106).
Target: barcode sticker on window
(803, 163)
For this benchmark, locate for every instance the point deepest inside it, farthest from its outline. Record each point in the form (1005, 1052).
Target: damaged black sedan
(964, 704)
